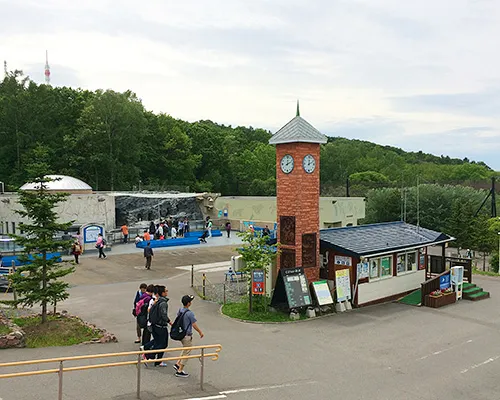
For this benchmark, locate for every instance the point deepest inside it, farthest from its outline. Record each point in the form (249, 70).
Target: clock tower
(297, 191)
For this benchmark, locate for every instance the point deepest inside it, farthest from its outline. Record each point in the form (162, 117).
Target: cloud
(482, 103)
(418, 75)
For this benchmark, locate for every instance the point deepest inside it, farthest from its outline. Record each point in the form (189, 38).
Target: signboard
(457, 280)
(421, 259)
(444, 282)
(343, 260)
(91, 232)
(258, 282)
(363, 270)
(292, 289)
(343, 285)
(322, 293)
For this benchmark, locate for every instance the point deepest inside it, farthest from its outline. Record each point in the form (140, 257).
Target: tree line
(109, 140)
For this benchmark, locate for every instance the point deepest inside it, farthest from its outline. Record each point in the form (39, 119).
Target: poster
(343, 260)
(444, 282)
(385, 269)
(343, 284)
(322, 292)
(90, 233)
(363, 270)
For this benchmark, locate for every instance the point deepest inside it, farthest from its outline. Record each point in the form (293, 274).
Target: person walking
(189, 323)
(158, 315)
(186, 226)
(148, 254)
(152, 229)
(124, 230)
(146, 332)
(138, 295)
(76, 250)
(101, 242)
(228, 229)
(209, 227)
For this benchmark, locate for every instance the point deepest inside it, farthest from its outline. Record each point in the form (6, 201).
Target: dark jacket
(148, 251)
(163, 308)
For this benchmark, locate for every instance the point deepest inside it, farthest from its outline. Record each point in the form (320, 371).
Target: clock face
(287, 164)
(309, 164)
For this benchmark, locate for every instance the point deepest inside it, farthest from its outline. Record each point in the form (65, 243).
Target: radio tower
(47, 68)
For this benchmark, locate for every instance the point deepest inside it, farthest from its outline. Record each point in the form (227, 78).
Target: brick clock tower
(297, 189)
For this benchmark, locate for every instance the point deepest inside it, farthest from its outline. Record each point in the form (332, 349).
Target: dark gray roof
(364, 240)
(298, 130)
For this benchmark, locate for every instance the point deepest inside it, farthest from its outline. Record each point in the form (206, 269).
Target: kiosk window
(407, 262)
(380, 267)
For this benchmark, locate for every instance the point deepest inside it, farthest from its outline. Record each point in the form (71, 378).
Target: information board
(343, 285)
(91, 232)
(292, 289)
(322, 293)
(258, 282)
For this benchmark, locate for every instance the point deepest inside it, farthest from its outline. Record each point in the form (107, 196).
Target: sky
(419, 75)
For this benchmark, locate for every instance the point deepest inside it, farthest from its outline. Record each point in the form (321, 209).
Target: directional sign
(258, 282)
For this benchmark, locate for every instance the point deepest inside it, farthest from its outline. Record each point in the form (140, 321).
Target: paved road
(382, 352)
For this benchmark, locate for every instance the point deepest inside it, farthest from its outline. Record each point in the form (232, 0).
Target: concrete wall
(386, 287)
(82, 208)
(333, 211)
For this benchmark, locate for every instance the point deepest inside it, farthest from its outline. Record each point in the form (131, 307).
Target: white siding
(382, 288)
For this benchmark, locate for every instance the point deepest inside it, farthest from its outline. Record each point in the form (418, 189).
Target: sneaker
(176, 367)
(163, 364)
(181, 374)
(143, 356)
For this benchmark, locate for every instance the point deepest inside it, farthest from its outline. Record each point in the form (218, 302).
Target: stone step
(472, 290)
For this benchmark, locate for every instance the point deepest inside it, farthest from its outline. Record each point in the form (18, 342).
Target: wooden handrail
(214, 356)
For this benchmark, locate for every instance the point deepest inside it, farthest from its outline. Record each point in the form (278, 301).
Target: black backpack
(154, 313)
(177, 331)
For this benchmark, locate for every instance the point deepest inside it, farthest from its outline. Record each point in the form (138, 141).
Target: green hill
(110, 141)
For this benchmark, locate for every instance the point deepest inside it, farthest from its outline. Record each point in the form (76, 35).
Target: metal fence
(213, 353)
(234, 289)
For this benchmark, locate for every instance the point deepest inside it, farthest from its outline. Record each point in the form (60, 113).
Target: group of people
(152, 324)
(164, 229)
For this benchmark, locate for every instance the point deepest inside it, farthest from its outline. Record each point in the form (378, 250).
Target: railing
(61, 369)
(221, 292)
(430, 286)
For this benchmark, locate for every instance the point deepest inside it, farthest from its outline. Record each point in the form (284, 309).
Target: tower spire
(47, 68)
(298, 110)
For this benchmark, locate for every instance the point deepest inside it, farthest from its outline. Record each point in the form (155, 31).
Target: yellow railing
(214, 354)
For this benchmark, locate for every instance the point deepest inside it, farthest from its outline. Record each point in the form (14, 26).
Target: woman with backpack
(76, 250)
(101, 242)
(141, 314)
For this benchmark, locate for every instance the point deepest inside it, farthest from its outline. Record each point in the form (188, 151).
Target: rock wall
(131, 209)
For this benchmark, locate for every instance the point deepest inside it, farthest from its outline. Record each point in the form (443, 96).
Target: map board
(322, 293)
(292, 289)
(343, 285)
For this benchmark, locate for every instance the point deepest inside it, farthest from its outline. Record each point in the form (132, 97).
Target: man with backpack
(148, 254)
(182, 329)
(158, 316)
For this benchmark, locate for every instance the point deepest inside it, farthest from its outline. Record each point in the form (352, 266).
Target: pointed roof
(298, 130)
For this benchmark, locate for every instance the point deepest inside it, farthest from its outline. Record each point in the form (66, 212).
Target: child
(138, 295)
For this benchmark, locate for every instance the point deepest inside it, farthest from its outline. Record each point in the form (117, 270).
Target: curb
(271, 322)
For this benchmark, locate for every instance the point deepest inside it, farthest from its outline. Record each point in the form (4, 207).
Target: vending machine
(457, 280)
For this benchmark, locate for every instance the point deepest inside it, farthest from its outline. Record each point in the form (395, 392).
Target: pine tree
(37, 281)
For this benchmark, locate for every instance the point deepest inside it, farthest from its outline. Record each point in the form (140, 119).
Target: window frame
(414, 264)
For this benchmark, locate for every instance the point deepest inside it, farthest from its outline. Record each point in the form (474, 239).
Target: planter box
(443, 300)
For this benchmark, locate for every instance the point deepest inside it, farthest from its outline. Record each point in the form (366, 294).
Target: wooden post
(224, 299)
(204, 285)
(250, 305)
(192, 275)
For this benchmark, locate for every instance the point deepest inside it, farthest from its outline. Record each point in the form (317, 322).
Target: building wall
(80, 208)
(386, 287)
(333, 211)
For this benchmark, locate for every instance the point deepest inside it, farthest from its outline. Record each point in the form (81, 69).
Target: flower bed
(440, 298)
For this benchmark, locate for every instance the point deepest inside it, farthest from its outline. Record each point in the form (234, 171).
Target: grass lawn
(57, 331)
(487, 273)
(4, 329)
(240, 311)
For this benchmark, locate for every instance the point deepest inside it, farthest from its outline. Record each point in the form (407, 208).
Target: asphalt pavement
(389, 351)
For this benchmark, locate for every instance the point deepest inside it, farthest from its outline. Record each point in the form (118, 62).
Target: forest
(109, 140)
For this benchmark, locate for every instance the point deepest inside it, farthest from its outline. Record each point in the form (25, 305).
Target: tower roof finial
(298, 110)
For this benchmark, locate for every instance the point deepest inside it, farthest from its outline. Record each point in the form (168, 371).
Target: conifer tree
(37, 281)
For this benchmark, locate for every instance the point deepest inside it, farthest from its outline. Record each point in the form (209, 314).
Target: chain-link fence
(234, 289)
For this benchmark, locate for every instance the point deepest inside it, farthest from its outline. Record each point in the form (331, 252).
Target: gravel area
(235, 292)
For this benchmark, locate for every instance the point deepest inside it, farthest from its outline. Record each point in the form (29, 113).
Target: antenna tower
(47, 68)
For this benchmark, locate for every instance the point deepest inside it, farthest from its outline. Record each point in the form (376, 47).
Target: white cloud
(418, 75)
